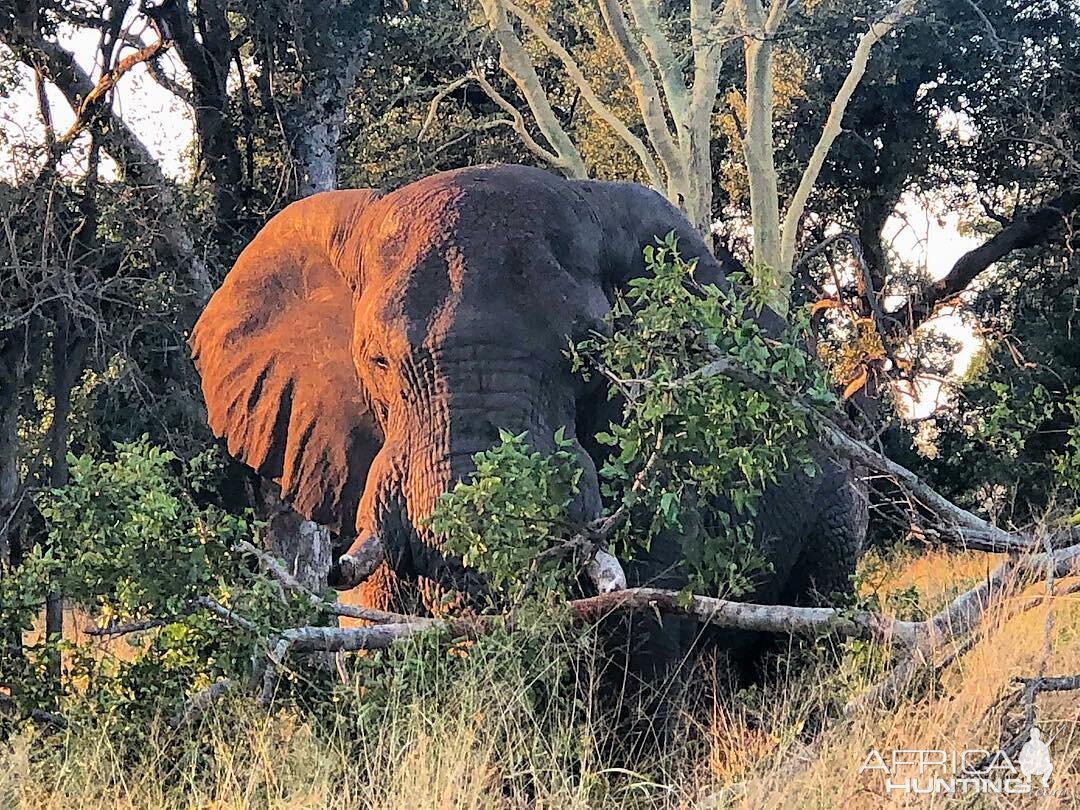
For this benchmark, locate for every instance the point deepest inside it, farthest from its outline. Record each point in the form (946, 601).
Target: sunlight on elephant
(366, 344)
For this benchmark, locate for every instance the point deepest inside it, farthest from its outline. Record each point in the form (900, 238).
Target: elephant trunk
(430, 447)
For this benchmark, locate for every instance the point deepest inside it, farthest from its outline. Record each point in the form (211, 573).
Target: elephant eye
(380, 362)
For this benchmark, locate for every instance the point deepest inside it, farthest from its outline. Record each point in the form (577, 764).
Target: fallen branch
(39, 716)
(961, 617)
(331, 640)
(812, 622)
(199, 703)
(273, 567)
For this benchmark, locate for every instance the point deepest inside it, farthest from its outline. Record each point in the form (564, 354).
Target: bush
(126, 543)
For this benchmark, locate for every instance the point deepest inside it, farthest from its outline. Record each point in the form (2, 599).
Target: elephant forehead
(501, 213)
(405, 229)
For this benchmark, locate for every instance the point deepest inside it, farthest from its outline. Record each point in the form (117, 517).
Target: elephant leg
(827, 561)
(383, 590)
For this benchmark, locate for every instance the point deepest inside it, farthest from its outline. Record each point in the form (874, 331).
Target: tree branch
(671, 75)
(108, 81)
(784, 619)
(1025, 231)
(140, 167)
(797, 206)
(602, 111)
(328, 639)
(273, 567)
(649, 101)
(515, 60)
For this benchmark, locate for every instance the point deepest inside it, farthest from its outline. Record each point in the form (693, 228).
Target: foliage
(691, 457)
(126, 542)
(695, 452)
(1008, 446)
(512, 509)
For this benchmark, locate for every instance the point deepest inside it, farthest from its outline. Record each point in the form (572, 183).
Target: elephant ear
(274, 350)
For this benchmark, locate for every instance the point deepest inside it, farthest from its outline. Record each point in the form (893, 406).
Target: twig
(202, 603)
(198, 704)
(329, 639)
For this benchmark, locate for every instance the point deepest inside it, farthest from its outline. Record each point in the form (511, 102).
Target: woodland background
(966, 109)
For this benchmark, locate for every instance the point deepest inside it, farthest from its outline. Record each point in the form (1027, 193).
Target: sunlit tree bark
(676, 104)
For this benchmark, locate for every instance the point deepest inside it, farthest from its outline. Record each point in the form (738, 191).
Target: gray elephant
(366, 344)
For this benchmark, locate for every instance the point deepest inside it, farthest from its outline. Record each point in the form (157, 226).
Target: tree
(677, 112)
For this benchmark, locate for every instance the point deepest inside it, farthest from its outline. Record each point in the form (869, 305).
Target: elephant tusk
(606, 572)
(359, 563)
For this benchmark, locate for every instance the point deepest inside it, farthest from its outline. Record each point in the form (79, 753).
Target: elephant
(366, 344)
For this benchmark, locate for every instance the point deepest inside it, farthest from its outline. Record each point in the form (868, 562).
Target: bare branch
(797, 206)
(290, 583)
(327, 639)
(515, 60)
(602, 111)
(667, 65)
(202, 603)
(108, 81)
(649, 100)
(518, 123)
(433, 107)
(797, 621)
(199, 703)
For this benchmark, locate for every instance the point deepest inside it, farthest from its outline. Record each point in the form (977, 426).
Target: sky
(924, 233)
(163, 123)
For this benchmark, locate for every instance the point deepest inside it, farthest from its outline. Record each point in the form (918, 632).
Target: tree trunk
(69, 348)
(12, 344)
(761, 167)
(306, 548)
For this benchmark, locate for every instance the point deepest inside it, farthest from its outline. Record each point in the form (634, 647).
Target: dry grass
(468, 753)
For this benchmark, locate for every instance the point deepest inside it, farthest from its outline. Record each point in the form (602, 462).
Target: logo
(973, 771)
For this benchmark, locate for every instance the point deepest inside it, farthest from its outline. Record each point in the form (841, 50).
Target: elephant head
(367, 344)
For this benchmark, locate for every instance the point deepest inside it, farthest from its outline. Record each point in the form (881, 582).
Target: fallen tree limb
(784, 619)
(1027, 696)
(330, 639)
(199, 703)
(961, 617)
(273, 567)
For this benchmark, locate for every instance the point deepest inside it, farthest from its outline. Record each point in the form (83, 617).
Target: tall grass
(503, 732)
